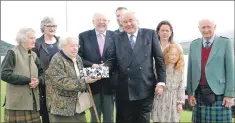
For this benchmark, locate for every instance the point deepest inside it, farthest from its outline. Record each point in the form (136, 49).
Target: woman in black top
(45, 47)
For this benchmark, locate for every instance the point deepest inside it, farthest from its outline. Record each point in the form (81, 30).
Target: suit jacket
(135, 68)
(89, 52)
(117, 31)
(219, 69)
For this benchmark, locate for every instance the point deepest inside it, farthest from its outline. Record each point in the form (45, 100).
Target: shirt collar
(120, 29)
(97, 33)
(135, 34)
(211, 40)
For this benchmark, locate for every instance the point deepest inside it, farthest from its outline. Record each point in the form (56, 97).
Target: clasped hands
(34, 83)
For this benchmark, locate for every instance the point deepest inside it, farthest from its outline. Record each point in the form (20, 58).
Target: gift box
(93, 72)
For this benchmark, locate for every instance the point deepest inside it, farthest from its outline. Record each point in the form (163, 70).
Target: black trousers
(133, 111)
(43, 106)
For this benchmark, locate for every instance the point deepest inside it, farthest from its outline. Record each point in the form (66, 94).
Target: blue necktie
(207, 44)
(132, 43)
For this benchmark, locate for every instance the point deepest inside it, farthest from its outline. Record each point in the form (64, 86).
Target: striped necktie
(207, 44)
(132, 43)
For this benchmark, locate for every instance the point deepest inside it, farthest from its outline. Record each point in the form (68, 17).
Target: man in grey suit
(210, 81)
(133, 51)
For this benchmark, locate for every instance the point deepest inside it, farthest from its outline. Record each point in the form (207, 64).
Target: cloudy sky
(184, 15)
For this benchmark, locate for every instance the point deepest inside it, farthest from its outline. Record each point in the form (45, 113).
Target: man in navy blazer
(132, 52)
(94, 51)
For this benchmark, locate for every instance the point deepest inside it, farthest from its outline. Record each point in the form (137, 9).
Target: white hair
(130, 12)
(65, 38)
(97, 14)
(22, 34)
(206, 19)
(45, 21)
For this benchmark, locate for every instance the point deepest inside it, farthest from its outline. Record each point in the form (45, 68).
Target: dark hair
(165, 22)
(120, 8)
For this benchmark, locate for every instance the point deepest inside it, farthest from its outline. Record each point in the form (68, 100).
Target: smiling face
(50, 29)
(207, 28)
(129, 22)
(71, 47)
(100, 22)
(119, 15)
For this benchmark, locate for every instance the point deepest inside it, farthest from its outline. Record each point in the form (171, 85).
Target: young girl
(167, 107)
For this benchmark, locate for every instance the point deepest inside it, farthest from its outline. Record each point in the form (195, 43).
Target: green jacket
(219, 69)
(15, 72)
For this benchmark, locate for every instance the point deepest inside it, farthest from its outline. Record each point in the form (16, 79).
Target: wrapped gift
(93, 72)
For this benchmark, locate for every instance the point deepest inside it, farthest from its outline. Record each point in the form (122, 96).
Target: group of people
(146, 73)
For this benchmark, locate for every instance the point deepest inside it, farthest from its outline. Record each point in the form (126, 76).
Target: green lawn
(184, 117)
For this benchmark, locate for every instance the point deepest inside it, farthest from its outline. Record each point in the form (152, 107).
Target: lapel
(106, 41)
(126, 45)
(199, 51)
(140, 41)
(132, 54)
(214, 49)
(42, 43)
(94, 42)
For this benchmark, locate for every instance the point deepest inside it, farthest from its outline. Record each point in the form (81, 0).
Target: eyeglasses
(50, 26)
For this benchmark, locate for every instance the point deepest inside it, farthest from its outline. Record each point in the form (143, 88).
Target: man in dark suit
(133, 51)
(119, 12)
(94, 51)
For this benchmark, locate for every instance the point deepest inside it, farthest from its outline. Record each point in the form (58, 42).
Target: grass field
(184, 117)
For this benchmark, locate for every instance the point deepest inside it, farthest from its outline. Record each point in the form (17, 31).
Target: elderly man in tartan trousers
(210, 81)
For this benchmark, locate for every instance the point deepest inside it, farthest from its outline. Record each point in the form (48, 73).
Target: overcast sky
(184, 15)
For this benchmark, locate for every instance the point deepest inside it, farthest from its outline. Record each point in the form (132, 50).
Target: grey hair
(129, 12)
(65, 38)
(206, 19)
(22, 34)
(45, 21)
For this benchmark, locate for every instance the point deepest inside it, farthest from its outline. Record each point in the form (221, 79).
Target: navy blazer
(136, 79)
(90, 54)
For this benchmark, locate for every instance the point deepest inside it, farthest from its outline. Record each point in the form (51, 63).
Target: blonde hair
(179, 65)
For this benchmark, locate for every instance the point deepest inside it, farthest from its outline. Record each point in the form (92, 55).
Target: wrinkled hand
(34, 83)
(88, 79)
(192, 100)
(179, 107)
(159, 90)
(227, 102)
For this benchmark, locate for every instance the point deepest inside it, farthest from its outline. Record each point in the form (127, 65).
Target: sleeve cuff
(161, 83)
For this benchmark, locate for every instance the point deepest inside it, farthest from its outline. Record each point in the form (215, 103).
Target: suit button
(127, 69)
(140, 68)
(129, 79)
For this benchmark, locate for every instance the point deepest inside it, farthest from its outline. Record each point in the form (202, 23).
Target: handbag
(83, 102)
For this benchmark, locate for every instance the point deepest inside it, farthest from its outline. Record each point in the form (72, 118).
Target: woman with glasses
(45, 47)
